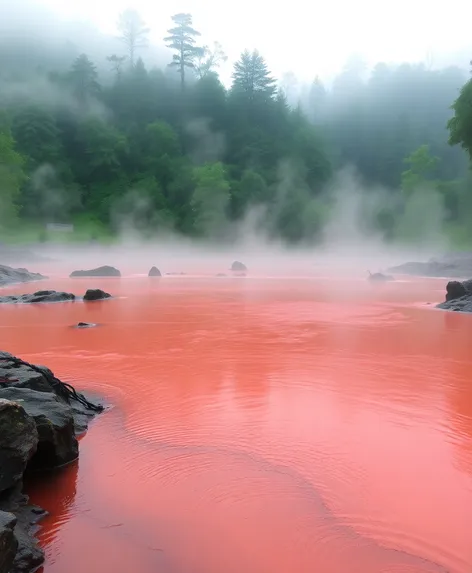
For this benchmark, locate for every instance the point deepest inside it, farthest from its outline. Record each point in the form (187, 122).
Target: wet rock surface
(154, 272)
(458, 296)
(56, 440)
(8, 541)
(105, 271)
(38, 296)
(18, 442)
(96, 294)
(40, 418)
(10, 275)
(49, 296)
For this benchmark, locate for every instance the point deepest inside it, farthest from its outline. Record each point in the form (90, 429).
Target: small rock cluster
(53, 296)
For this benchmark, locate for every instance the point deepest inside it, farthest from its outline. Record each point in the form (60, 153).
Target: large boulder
(96, 294)
(458, 289)
(18, 442)
(16, 373)
(105, 271)
(10, 275)
(458, 296)
(154, 272)
(8, 541)
(38, 296)
(57, 443)
(238, 266)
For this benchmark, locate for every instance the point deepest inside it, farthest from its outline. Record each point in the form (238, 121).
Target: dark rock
(15, 373)
(29, 556)
(21, 375)
(10, 275)
(18, 442)
(458, 289)
(154, 272)
(85, 325)
(104, 271)
(8, 541)
(451, 265)
(379, 277)
(458, 296)
(39, 420)
(38, 296)
(57, 444)
(238, 266)
(96, 294)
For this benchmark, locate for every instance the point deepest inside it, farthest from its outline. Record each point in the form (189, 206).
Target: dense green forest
(119, 143)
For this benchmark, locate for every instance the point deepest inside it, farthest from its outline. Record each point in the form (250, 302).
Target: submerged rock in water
(105, 271)
(96, 294)
(38, 296)
(379, 277)
(154, 272)
(85, 325)
(40, 419)
(458, 296)
(238, 266)
(10, 275)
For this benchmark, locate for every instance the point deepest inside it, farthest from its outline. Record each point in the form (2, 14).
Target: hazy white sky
(306, 37)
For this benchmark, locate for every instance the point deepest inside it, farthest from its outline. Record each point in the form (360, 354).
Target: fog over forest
(115, 133)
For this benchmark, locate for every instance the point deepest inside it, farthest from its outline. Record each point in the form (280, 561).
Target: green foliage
(12, 176)
(210, 198)
(251, 77)
(460, 125)
(83, 80)
(422, 169)
(116, 145)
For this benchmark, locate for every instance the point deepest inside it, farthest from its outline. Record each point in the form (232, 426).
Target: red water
(259, 426)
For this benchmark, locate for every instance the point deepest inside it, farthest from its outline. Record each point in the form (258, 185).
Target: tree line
(173, 148)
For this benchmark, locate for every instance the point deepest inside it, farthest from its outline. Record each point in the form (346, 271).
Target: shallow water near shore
(259, 424)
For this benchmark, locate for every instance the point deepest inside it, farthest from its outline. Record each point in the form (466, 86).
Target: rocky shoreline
(40, 419)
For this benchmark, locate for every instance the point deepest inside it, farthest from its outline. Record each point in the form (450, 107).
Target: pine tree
(251, 76)
(182, 39)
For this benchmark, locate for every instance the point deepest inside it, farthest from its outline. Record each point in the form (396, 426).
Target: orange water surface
(259, 425)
